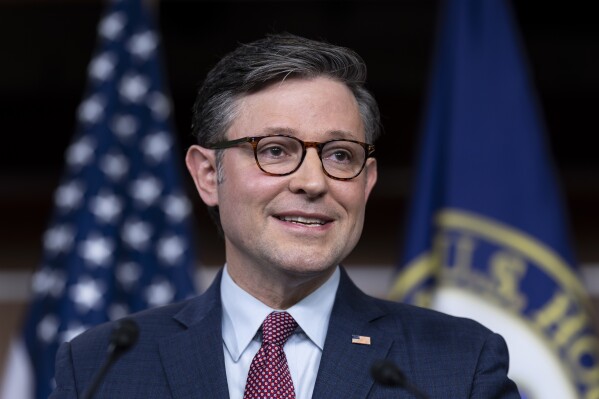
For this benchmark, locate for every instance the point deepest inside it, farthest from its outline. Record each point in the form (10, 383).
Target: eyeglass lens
(282, 155)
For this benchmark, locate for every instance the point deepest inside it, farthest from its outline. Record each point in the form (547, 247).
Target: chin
(307, 265)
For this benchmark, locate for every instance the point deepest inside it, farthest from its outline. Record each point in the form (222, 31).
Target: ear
(371, 173)
(201, 163)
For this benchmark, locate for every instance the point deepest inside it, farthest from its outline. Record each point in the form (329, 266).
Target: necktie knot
(277, 328)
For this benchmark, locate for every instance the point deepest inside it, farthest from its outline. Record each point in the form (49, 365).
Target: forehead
(312, 109)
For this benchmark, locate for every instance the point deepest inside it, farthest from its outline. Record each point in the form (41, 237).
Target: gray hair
(254, 66)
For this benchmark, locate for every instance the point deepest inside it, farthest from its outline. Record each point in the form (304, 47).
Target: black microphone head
(386, 373)
(124, 335)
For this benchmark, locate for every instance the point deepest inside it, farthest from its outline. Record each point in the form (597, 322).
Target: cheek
(352, 198)
(242, 195)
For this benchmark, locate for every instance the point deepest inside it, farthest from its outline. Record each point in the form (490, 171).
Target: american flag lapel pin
(360, 340)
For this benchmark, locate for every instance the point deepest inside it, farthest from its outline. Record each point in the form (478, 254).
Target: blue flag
(119, 240)
(487, 236)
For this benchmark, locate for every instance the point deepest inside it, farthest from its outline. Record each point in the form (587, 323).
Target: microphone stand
(123, 337)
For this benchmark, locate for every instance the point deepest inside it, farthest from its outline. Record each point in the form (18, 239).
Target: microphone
(123, 337)
(388, 374)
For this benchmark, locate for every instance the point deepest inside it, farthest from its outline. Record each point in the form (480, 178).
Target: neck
(278, 290)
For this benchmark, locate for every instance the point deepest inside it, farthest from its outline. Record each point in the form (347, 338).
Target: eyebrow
(279, 130)
(341, 134)
(332, 134)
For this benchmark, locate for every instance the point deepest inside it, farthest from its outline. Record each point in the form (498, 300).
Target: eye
(340, 153)
(342, 156)
(272, 151)
(277, 148)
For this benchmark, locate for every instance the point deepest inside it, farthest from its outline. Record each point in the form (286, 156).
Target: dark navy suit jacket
(180, 355)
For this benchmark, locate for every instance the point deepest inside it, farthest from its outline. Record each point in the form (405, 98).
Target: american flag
(119, 240)
(360, 339)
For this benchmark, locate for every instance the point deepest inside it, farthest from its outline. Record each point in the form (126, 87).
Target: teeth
(302, 220)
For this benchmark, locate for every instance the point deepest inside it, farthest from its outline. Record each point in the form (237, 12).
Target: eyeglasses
(280, 155)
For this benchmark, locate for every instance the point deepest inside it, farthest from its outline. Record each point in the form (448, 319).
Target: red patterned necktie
(269, 376)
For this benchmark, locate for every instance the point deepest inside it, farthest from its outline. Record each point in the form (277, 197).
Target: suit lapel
(193, 359)
(194, 364)
(344, 370)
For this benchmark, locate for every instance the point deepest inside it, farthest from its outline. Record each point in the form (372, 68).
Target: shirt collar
(243, 314)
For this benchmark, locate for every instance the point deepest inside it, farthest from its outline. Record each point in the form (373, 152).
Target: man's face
(304, 223)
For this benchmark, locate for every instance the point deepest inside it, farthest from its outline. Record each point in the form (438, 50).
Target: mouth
(304, 220)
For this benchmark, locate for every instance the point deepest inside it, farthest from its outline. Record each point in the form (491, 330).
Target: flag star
(136, 234)
(106, 207)
(146, 190)
(112, 25)
(47, 328)
(115, 166)
(48, 282)
(102, 66)
(58, 238)
(92, 109)
(97, 250)
(68, 196)
(170, 249)
(155, 146)
(160, 105)
(127, 274)
(134, 87)
(73, 330)
(159, 293)
(143, 44)
(124, 125)
(87, 294)
(176, 207)
(81, 152)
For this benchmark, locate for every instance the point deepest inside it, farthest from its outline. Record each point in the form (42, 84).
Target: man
(285, 130)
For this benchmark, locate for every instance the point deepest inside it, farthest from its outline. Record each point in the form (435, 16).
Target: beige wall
(10, 321)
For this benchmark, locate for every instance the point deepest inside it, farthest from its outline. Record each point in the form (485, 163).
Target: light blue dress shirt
(242, 317)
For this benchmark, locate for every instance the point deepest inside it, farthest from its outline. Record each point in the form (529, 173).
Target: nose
(309, 178)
